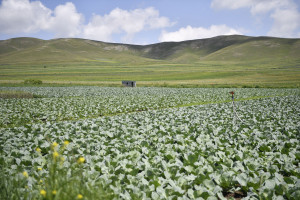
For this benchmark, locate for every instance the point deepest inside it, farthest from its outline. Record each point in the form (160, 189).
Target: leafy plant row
(73, 103)
(196, 152)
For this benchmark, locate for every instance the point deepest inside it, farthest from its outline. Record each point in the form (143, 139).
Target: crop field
(150, 143)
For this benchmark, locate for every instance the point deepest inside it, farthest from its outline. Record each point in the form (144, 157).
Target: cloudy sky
(148, 21)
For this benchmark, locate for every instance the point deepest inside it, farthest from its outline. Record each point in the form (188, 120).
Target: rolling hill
(222, 48)
(204, 59)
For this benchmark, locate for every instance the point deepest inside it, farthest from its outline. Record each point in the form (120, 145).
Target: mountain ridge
(220, 48)
(224, 60)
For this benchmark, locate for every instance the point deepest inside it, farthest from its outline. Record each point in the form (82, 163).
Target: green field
(66, 138)
(93, 143)
(225, 61)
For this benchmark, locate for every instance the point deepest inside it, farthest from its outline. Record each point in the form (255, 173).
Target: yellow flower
(80, 160)
(66, 143)
(79, 196)
(54, 192)
(43, 193)
(38, 150)
(25, 174)
(54, 144)
(55, 154)
(39, 168)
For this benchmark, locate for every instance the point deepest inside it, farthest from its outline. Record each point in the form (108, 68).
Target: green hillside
(261, 49)
(223, 60)
(63, 51)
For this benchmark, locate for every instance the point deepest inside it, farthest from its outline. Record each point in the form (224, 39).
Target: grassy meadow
(200, 74)
(225, 61)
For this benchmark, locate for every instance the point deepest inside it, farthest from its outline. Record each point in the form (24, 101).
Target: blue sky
(148, 21)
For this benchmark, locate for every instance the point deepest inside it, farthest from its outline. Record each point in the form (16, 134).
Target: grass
(15, 94)
(227, 101)
(201, 73)
(222, 61)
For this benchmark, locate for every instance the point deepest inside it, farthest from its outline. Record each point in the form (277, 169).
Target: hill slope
(222, 48)
(220, 60)
(62, 51)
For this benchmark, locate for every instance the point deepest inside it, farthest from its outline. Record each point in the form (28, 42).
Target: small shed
(129, 83)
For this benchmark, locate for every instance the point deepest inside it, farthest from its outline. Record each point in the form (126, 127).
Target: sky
(148, 21)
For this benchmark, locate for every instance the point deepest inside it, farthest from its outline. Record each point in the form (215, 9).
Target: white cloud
(230, 4)
(123, 21)
(285, 23)
(66, 21)
(22, 16)
(284, 13)
(256, 6)
(25, 16)
(265, 6)
(189, 33)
